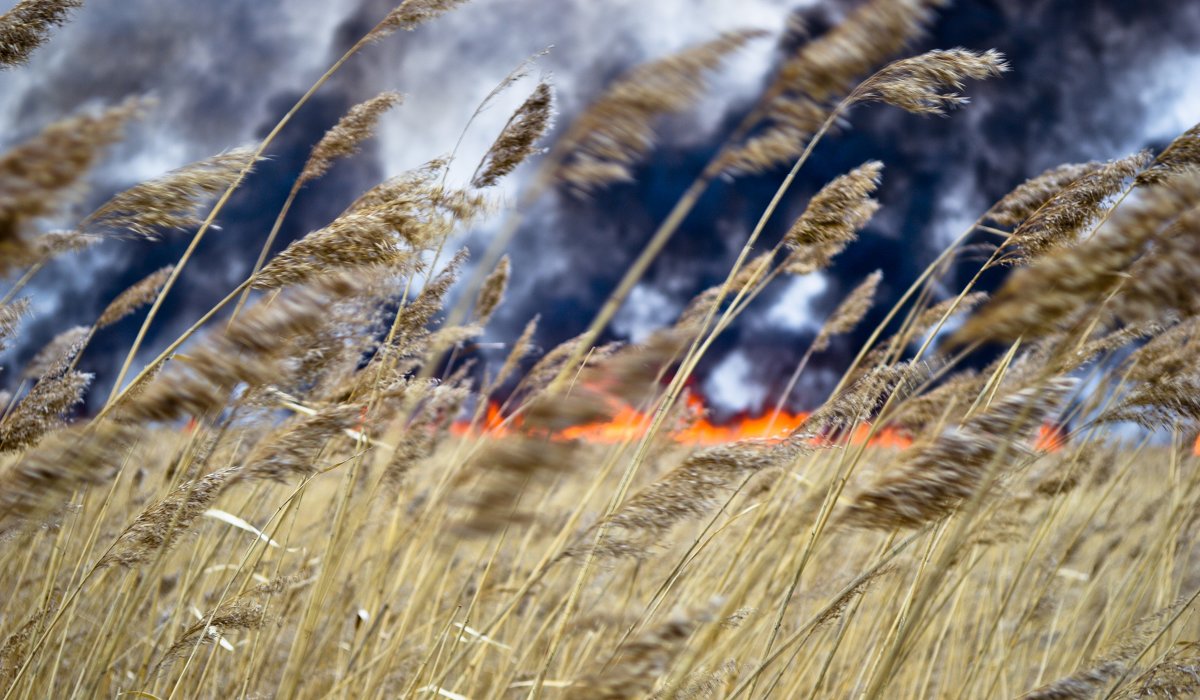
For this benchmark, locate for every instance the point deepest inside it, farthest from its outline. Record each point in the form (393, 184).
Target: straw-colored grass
(316, 499)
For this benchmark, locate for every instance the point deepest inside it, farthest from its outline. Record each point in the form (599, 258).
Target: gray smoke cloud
(1094, 81)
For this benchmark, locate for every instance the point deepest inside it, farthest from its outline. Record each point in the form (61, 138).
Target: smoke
(1094, 83)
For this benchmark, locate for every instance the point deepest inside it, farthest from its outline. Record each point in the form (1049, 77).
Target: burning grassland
(317, 490)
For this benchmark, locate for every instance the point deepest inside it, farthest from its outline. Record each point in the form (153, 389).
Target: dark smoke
(1090, 80)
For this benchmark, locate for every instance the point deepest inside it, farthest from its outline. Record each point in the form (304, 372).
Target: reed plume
(42, 410)
(491, 293)
(159, 527)
(491, 487)
(172, 201)
(345, 138)
(247, 611)
(701, 305)
(1036, 300)
(41, 249)
(690, 490)
(294, 452)
(1071, 211)
(1162, 282)
(45, 477)
(822, 71)
(253, 351)
(40, 175)
(361, 239)
(932, 480)
(1181, 156)
(409, 15)
(27, 26)
(832, 219)
(10, 317)
(385, 228)
(863, 399)
(518, 139)
(520, 348)
(1177, 675)
(930, 83)
(848, 314)
(137, 296)
(1029, 196)
(639, 663)
(1110, 664)
(617, 130)
(58, 354)
(1160, 403)
(944, 403)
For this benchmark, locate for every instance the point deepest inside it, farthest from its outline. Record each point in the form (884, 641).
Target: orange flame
(630, 424)
(1050, 438)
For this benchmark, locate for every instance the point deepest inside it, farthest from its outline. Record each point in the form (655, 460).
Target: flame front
(630, 424)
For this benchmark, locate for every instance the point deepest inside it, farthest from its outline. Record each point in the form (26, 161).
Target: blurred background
(1089, 80)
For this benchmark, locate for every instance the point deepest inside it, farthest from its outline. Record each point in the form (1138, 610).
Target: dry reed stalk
(27, 26)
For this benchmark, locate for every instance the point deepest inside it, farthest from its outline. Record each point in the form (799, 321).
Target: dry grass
(315, 500)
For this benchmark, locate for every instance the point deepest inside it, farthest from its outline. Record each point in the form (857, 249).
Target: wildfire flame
(630, 424)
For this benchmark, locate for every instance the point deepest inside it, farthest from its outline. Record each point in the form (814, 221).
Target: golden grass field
(311, 494)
